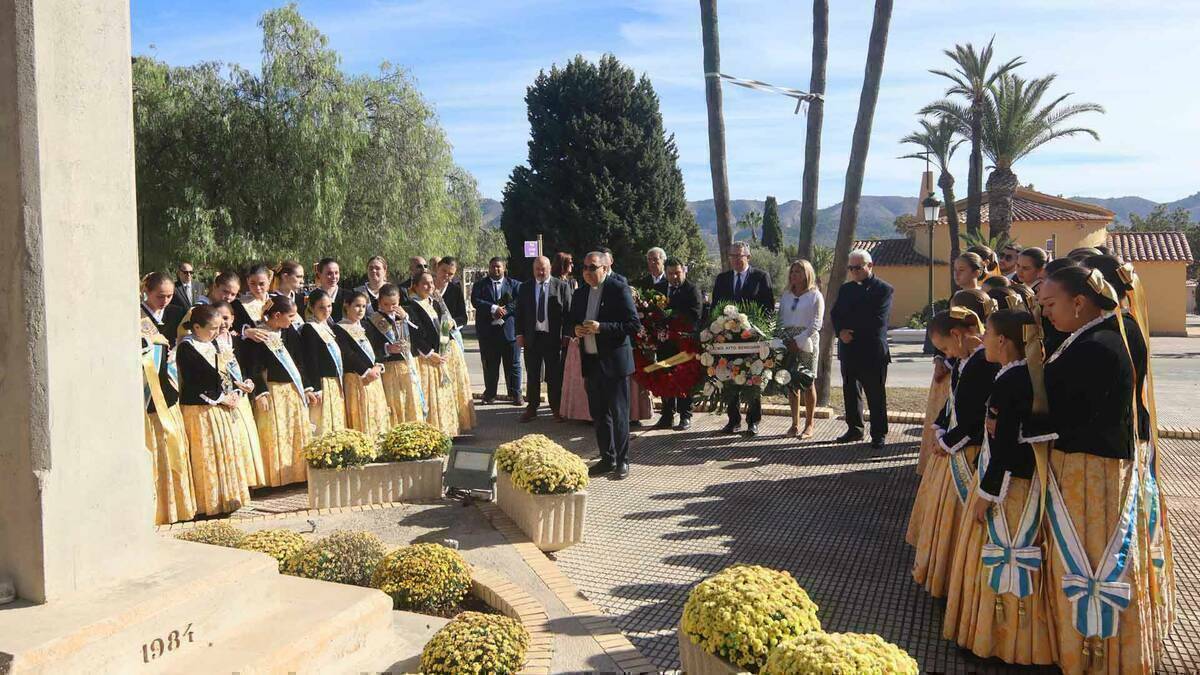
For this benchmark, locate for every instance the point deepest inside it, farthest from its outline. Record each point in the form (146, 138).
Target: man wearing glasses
(416, 267)
(742, 283)
(187, 289)
(860, 319)
(1008, 261)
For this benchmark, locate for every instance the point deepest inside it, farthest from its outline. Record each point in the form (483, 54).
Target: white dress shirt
(497, 286)
(538, 292)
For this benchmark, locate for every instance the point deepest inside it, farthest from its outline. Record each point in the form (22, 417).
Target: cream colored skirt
(283, 431)
(247, 432)
(174, 496)
(330, 413)
(440, 396)
(464, 401)
(366, 406)
(218, 471)
(403, 398)
(933, 526)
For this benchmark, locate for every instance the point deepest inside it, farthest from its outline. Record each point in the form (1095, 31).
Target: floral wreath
(674, 377)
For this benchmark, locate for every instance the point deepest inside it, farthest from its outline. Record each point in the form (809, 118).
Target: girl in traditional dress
(442, 289)
(995, 606)
(366, 403)
(218, 468)
(991, 263)
(235, 379)
(389, 331)
(281, 400)
(801, 310)
(323, 366)
(431, 344)
(1156, 547)
(377, 276)
(288, 282)
(248, 308)
(947, 482)
(175, 497)
(1097, 581)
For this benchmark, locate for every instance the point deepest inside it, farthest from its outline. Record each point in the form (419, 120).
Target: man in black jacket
(604, 318)
(187, 290)
(495, 301)
(684, 301)
(743, 283)
(541, 305)
(860, 321)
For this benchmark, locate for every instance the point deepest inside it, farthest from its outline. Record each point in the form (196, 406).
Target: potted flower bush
(540, 485)
(733, 619)
(426, 578)
(343, 557)
(476, 643)
(819, 652)
(406, 464)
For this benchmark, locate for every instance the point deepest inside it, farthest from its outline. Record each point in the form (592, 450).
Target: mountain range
(876, 214)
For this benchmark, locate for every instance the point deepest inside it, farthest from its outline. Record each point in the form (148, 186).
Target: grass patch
(899, 399)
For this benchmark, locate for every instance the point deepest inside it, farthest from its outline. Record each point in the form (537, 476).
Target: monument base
(204, 609)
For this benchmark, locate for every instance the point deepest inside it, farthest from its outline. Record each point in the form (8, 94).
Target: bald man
(541, 305)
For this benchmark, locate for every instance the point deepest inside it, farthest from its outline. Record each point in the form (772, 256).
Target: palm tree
(812, 138)
(716, 128)
(859, 144)
(1015, 123)
(971, 80)
(751, 221)
(939, 144)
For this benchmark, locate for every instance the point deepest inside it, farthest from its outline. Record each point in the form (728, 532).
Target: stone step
(204, 609)
(400, 651)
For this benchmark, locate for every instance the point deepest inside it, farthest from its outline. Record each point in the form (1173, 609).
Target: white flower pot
(553, 522)
(695, 661)
(376, 483)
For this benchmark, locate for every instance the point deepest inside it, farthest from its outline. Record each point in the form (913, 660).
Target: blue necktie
(737, 285)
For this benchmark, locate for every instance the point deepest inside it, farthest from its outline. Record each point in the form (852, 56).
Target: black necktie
(670, 291)
(541, 310)
(737, 284)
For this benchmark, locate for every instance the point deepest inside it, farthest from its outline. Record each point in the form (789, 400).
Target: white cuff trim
(956, 447)
(209, 401)
(1043, 438)
(995, 499)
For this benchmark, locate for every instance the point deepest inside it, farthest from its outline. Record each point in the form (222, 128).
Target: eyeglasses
(185, 271)
(592, 268)
(856, 268)
(1009, 256)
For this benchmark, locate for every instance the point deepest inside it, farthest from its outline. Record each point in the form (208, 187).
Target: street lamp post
(930, 209)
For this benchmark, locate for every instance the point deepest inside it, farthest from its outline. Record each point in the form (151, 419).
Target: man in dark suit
(743, 283)
(495, 300)
(187, 289)
(604, 318)
(684, 301)
(416, 267)
(541, 305)
(656, 272)
(612, 270)
(860, 320)
(452, 291)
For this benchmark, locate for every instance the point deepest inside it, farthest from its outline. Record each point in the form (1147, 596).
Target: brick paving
(834, 516)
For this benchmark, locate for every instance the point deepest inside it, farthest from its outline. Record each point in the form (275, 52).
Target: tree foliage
(772, 232)
(750, 223)
(601, 170)
(300, 160)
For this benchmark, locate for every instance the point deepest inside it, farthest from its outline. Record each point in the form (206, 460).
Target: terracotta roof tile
(892, 251)
(1150, 246)
(1030, 205)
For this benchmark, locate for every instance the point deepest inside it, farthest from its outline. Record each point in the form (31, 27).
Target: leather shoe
(848, 437)
(518, 401)
(600, 468)
(636, 423)
(664, 422)
(528, 415)
(877, 443)
(683, 425)
(752, 430)
(487, 401)
(731, 428)
(621, 471)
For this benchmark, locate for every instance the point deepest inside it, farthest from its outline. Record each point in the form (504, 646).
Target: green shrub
(214, 532)
(339, 449)
(279, 543)
(476, 643)
(427, 578)
(413, 440)
(921, 319)
(344, 557)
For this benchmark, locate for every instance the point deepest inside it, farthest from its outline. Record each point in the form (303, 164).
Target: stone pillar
(75, 487)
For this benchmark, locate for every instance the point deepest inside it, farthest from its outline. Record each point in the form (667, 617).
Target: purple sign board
(531, 249)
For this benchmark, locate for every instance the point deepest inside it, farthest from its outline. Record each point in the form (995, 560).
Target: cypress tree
(772, 233)
(601, 171)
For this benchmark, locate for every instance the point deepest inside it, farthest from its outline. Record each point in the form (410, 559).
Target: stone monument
(97, 590)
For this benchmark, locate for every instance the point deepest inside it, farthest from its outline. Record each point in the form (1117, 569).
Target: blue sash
(279, 350)
(960, 468)
(1012, 559)
(335, 352)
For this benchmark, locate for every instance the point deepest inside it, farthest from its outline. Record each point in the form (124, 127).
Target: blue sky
(473, 59)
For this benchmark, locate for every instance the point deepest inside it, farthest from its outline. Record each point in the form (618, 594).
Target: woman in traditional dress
(248, 308)
(994, 606)
(288, 282)
(1099, 589)
(281, 400)
(1156, 547)
(366, 403)
(947, 482)
(377, 276)
(801, 311)
(991, 263)
(175, 497)
(323, 366)
(431, 344)
(235, 379)
(443, 296)
(389, 333)
(218, 468)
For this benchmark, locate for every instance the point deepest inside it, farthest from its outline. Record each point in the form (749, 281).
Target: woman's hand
(245, 386)
(256, 334)
(940, 370)
(262, 404)
(394, 348)
(229, 400)
(981, 509)
(371, 375)
(314, 398)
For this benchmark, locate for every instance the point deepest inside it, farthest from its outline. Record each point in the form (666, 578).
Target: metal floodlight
(930, 206)
(471, 468)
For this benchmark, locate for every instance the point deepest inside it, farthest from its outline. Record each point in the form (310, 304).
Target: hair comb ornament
(961, 313)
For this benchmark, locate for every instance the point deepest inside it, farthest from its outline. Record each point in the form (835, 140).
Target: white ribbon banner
(802, 97)
(742, 347)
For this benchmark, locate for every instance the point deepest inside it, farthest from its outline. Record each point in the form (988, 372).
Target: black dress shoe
(636, 423)
(848, 437)
(621, 471)
(600, 468)
(731, 428)
(752, 430)
(664, 422)
(877, 443)
(683, 425)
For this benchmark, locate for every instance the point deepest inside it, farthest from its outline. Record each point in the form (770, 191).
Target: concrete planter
(376, 483)
(696, 661)
(553, 522)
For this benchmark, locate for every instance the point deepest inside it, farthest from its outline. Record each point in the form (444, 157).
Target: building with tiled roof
(1053, 223)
